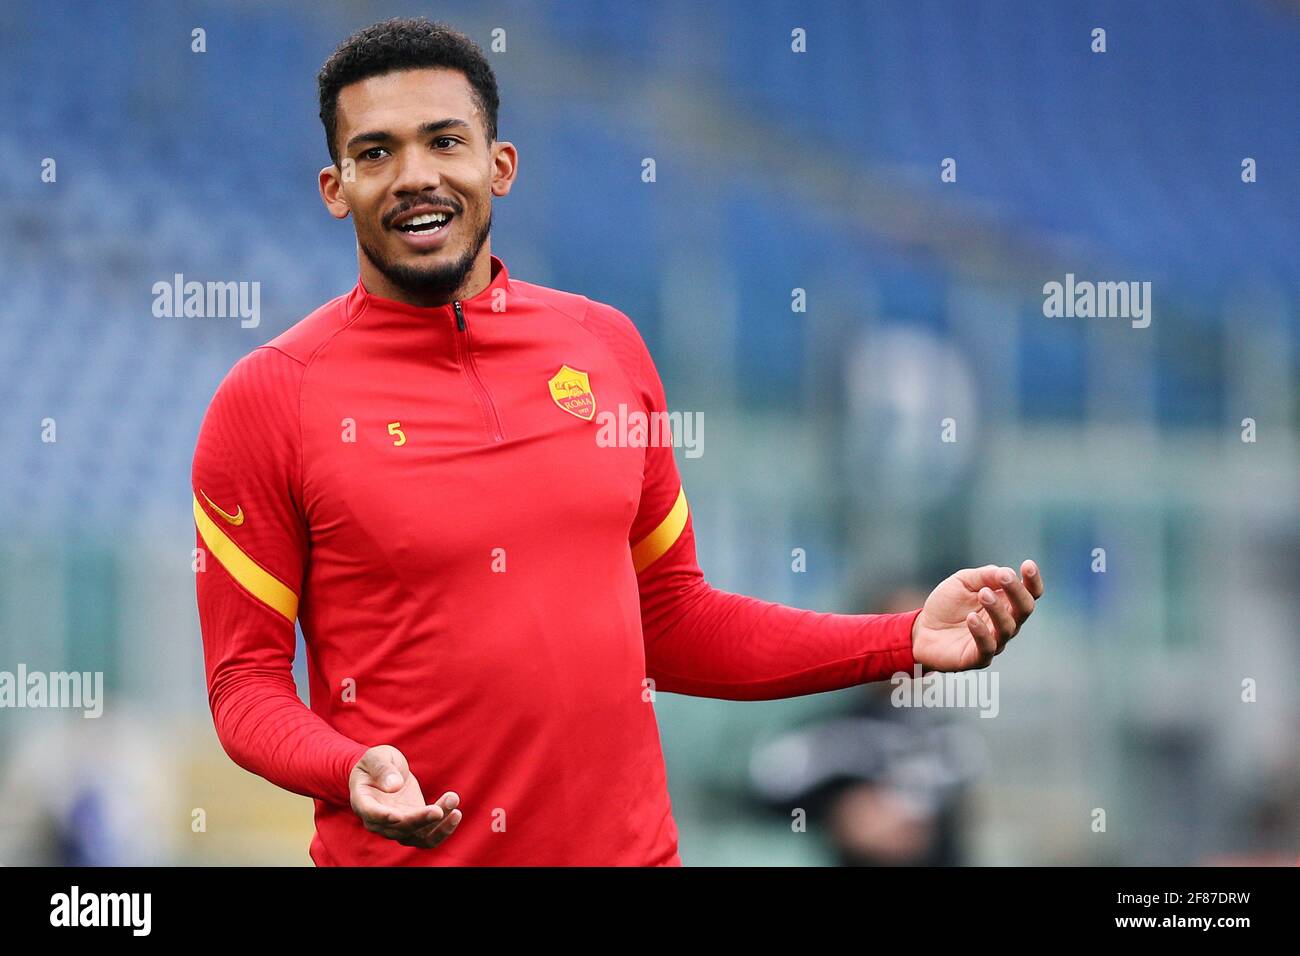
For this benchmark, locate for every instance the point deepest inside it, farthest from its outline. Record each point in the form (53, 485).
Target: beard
(438, 281)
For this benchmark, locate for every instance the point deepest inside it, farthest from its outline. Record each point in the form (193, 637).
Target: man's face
(413, 147)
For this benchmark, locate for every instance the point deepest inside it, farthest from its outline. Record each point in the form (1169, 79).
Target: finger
(1033, 576)
(386, 768)
(426, 843)
(1022, 602)
(402, 832)
(448, 803)
(1000, 614)
(382, 814)
(371, 811)
(420, 817)
(443, 832)
(976, 578)
(429, 837)
(385, 830)
(984, 637)
(409, 820)
(433, 835)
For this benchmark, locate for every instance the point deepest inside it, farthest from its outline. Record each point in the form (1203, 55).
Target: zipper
(466, 354)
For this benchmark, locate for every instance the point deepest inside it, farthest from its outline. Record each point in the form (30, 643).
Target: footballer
(490, 598)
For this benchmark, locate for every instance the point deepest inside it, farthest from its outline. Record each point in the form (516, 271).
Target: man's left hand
(969, 618)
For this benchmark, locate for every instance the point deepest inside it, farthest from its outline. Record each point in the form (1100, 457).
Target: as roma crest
(571, 390)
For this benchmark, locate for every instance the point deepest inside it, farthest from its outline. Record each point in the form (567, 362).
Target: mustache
(424, 199)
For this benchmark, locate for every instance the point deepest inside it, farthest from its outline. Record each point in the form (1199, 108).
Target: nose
(417, 172)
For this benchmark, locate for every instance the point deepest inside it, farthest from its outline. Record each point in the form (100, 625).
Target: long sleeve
(706, 642)
(252, 549)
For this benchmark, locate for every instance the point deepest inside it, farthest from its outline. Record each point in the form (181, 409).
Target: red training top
(484, 582)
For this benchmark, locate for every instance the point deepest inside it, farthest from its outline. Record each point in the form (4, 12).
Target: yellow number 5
(399, 436)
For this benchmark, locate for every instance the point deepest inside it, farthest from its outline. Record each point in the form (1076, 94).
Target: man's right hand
(387, 798)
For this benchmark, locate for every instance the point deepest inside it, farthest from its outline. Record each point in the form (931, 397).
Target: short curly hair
(404, 43)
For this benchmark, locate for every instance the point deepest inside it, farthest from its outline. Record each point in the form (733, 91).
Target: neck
(476, 280)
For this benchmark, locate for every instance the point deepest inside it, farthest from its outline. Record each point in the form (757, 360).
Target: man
(490, 597)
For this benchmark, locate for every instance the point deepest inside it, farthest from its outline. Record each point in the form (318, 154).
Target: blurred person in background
(107, 808)
(1269, 816)
(884, 784)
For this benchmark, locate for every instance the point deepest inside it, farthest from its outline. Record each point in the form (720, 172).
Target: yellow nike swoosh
(236, 519)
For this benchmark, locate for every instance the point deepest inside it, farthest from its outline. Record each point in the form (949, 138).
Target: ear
(505, 166)
(332, 192)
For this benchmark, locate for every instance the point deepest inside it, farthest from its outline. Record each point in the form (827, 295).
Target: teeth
(426, 219)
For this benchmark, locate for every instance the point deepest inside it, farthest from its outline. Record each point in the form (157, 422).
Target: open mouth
(425, 224)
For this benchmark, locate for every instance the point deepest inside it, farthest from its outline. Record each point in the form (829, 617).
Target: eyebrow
(426, 129)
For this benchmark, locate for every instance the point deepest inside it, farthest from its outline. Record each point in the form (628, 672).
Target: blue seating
(171, 161)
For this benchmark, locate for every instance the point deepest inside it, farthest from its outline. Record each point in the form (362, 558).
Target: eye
(445, 139)
(372, 152)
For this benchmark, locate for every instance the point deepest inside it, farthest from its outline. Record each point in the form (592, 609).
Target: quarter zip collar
(479, 304)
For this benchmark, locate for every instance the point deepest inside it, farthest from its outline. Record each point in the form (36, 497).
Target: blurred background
(1161, 690)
